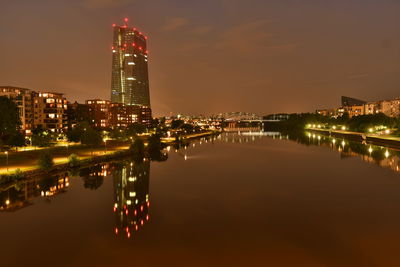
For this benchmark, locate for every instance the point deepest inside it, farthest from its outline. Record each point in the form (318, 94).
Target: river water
(236, 200)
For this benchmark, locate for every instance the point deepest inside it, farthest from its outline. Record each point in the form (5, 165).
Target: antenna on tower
(126, 21)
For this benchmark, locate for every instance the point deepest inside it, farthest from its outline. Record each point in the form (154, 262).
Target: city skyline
(274, 57)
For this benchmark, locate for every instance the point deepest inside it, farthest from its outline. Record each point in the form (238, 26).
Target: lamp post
(7, 159)
(105, 145)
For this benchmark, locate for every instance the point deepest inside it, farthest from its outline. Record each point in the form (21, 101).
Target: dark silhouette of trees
(46, 161)
(92, 178)
(135, 129)
(10, 123)
(137, 149)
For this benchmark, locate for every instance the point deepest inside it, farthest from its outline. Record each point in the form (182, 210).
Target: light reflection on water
(228, 202)
(384, 157)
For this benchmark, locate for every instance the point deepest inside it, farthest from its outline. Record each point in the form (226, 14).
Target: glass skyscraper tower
(130, 78)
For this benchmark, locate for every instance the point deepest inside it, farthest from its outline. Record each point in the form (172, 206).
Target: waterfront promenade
(378, 139)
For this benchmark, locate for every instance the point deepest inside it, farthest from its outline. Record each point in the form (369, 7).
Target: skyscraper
(130, 81)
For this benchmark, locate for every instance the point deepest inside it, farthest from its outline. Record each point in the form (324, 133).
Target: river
(236, 200)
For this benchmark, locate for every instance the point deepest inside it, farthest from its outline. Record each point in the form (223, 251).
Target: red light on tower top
(114, 25)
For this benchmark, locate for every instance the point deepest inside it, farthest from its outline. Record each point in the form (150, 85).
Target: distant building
(333, 112)
(356, 107)
(348, 101)
(356, 110)
(390, 108)
(277, 117)
(371, 108)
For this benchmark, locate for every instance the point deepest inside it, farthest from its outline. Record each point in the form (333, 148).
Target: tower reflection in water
(131, 197)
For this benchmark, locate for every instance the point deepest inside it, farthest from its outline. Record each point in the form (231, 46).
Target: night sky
(210, 56)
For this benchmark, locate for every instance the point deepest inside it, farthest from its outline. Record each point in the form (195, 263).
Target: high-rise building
(129, 81)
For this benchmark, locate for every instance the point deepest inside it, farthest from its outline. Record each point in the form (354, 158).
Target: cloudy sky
(210, 56)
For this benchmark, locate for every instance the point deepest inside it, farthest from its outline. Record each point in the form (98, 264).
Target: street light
(105, 144)
(7, 159)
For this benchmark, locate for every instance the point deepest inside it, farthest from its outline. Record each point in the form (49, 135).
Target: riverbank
(389, 141)
(26, 161)
(171, 140)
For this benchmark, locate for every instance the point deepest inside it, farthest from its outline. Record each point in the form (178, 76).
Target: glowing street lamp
(7, 159)
(105, 145)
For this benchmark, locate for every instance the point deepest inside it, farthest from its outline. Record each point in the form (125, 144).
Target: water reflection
(131, 182)
(131, 196)
(20, 194)
(93, 176)
(384, 157)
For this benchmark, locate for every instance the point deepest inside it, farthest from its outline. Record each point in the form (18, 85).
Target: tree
(118, 134)
(10, 122)
(137, 149)
(189, 128)
(154, 143)
(41, 138)
(76, 133)
(17, 139)
(91, 178)
(73, 161)
(135, 129)
(46, 161)
(91, 137)
(175, 124)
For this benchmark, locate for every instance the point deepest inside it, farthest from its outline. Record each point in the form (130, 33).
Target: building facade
(355, 107)
(99, 112)
(129, 80)
(104, 114)
(46, 110)
(22, 97)
(50, 111)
